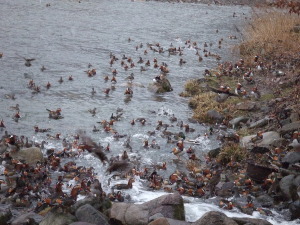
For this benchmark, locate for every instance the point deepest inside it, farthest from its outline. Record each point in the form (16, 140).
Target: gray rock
(290, 128)
(161, 87)
(291, 158)
(29, 155)
(156, 216)
(236, 121)
(244, 221)
(269, 139)
(170, 206)
(288, 186)
(89, 214)
(31, 216)
(294, 117)
(177, 222)
(214, 152)
(5, 216)
(160, 221)
(265, 201)
(215, 116)
(81, 223)
(260, 123)
(246, 106)
(215, 218)
(58, 219)
(294, 208)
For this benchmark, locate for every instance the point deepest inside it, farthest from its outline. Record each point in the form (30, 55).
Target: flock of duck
(26, 183)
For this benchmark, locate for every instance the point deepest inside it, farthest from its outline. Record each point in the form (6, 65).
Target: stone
(161, 87)
(29, 155)
(288, 187)
(214, 152)
(58, 219)
(236, 121)
(269, 139)
(258, 172)
(294, 117)
(177, 222)
(265, 201)
(81, 223)
(31, 216)
(246, 106)
(290, 158)
(215, 115)
(89, 214)
(170, 206)
(290, 128)
(155, 216)
(215, 218)
(246, 220)
(5, 216)
(160, 221)
(260, 123)
(294, 208)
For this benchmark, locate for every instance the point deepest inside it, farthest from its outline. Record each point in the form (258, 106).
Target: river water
(67, 36)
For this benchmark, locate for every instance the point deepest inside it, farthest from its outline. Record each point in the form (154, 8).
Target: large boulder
(290, 128)
(250, 221)
(89, 214)
(294, 208)
(290, 159)
(215, 218)
(170, 206)
(215, 116)
(29, 155)
(288, 186)
(58, 219)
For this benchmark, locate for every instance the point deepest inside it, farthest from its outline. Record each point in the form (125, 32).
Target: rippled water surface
(66, 36)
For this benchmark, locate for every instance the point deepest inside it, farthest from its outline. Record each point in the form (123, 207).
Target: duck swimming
(124, 186)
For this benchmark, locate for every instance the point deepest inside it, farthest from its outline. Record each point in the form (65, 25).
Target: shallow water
(68, 35)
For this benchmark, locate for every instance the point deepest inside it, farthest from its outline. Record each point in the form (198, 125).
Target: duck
(255, 93)
(70, 78)
(128, 92)
(60, 80)
(37, 129)
(48, 85)
(93, 92)
(2, 123)
(140, 60)
(124, 186)
(17, 107)
(238, 90)
(43, 68)
(130, 78)
(177, 152)
(106, 91)
(93, 111)
(28, 61)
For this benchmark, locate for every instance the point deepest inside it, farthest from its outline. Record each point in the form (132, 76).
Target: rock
(177, 222)
(246, 106)
(236, 121)
(170, 206)
(160, 221)
(81, 223)
(260, 150)
(258, 173)
(294, 117)
(214, 152)
(294, 208)
(225, 190)
(28, 218)
(58, 219)
(29, 155)
(288, 186)
(215, 115)
(269, 139)
(290, 128)
(250, 221)
(296, 28)
(5, 216)
(290, 158)
(161, 87)
(215, 218)
(265, 201)
(259, 123)
(89, 214)
(99, 204)
(156, 216)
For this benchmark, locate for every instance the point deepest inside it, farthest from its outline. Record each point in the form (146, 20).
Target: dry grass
(206, 101)
(270, 34)
(232, 152)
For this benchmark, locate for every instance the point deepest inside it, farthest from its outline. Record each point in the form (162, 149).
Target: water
(68, 35)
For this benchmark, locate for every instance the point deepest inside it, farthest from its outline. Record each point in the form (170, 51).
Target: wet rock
(290, 159)
(161, 87)
(250, 221)
(260, 123)
(215, 115)
(89, 214)
(58, 219)
(160, 221)
(29, 155)
(248, 211)
(215, 218)
(294, 208)
(226, 189)
(246, 106)
(236, 121)
(258, 173)
(98, 204)
(290, 128)
(288, 186)
(265, 201)
(5, 216)
(28, 218)
(170, 206)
